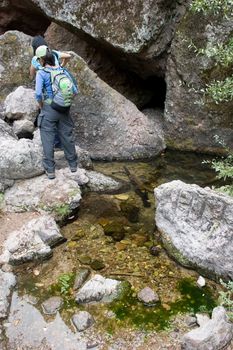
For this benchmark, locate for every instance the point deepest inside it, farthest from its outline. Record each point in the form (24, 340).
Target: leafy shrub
(224, 168)
(214, 6)
(226, 297)
(65, 282)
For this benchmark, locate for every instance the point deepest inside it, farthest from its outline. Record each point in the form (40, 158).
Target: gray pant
(51, 122)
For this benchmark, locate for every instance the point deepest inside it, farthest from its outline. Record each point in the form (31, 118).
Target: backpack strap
(55, 54)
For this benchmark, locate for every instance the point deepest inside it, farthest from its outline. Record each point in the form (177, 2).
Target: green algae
(193, 300)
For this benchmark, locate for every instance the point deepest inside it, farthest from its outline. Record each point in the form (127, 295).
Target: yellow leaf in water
(122, 196)
(72, 244)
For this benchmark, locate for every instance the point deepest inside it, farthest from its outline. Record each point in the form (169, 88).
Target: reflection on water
(115, 235)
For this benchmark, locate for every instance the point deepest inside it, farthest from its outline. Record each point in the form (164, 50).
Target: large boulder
(137, 32)
(192, 119)
(107, 124)
(15, 58)
(196, 226)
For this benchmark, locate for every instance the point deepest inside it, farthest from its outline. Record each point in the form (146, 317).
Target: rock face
(192, 120)
(141, 28)
(213, 335)
(14, 72)
(197, 227)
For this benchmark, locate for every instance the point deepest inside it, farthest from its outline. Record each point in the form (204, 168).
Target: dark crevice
(158, 87)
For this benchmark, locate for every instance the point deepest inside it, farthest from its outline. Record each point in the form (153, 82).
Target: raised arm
(64, 58)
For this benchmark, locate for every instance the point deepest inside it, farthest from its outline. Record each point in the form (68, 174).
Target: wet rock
(155, 251)
(118, 236)
(98, 288)
(80, 278)
(101, 183)
(212, 335)
(121, 246)
(79, 234)
(139, 239)
(85, 259)
(130, 211)
(148, 296)
(52, 305)
(115, 229)
(7, 282)
(82, 320)
(97, 265)
(31, 331)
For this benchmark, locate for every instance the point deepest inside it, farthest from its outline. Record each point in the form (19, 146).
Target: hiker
(53, 116)
(61, 58)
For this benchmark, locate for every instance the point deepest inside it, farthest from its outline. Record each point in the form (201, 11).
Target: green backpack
(63, 89)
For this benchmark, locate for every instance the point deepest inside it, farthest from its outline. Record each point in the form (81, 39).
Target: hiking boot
(51, 176)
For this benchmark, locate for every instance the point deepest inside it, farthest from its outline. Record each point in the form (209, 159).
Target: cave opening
(157, 86)
(24, 17)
